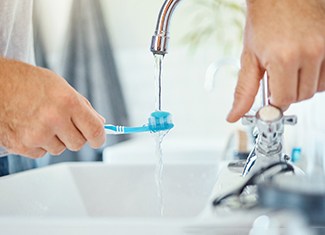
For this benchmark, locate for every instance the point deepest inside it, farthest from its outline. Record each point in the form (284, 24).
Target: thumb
(247, 86)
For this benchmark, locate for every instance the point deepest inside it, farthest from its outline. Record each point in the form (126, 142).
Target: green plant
(219, 20)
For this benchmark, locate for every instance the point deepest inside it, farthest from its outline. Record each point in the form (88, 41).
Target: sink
(103, 190)
(120, 195)
(116, 195)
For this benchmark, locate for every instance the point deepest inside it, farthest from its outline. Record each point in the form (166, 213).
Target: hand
(40, 112)
(287, 39)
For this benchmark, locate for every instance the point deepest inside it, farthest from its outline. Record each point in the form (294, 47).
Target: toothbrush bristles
(160, 121)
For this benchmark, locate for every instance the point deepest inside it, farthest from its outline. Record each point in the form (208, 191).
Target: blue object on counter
(158, 121)
(295, 154)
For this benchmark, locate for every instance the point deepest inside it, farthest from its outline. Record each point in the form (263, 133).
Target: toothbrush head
(160, 121)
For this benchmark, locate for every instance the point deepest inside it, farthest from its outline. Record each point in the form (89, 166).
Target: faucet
(269, 120)
(269, 124)
(160, 39)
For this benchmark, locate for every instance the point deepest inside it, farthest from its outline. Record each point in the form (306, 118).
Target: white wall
(131, 24)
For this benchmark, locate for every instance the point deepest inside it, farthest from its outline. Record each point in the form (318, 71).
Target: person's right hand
(286, 38)
(40, 112)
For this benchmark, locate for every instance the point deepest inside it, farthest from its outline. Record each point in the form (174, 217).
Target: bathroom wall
(196, 112)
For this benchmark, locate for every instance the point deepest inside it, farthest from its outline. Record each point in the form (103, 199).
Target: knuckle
(98, 131)
(284, 101)
(76, 145)
(281, 54)
(66, 100)
(309, 95)
(321, 86)
(57, 152)
(31, 140)
(241, 92)
(316, 48)
(288, 56)
(71, 100)
(39, 154)
(98, 144)
(306, 94)
(51, 118)
(86, 101)
(288, 100)
(34, 138)
(98, 137)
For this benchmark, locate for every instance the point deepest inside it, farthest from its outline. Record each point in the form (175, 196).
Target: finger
(321, 80)
(55, 146)
(36, 153)
(283, 83)
(247, 87)
(91, 126)
(308, 79)
(70, 136)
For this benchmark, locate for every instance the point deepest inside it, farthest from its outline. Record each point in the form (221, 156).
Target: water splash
(159, 170)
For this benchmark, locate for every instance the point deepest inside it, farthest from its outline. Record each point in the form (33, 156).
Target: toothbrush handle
(117, 130)
(130, 130)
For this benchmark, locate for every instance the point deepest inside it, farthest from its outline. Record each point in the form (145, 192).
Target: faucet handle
(249, 120)
(268, 124)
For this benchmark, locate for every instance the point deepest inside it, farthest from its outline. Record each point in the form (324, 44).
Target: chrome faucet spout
(160, 39)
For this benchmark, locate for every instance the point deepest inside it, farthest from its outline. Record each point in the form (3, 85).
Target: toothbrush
(158, 121)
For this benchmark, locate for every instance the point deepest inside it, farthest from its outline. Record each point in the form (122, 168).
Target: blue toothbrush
(158, 121)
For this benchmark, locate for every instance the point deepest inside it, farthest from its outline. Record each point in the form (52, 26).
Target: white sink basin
(121, 197)
(102, 190)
